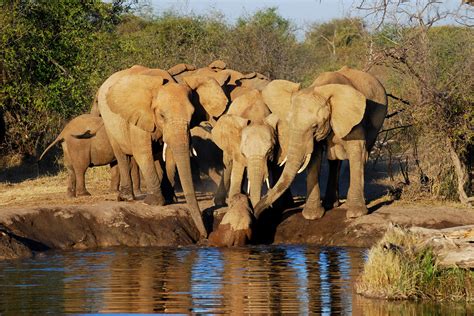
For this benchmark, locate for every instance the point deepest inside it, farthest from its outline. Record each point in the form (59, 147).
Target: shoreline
(25, 230)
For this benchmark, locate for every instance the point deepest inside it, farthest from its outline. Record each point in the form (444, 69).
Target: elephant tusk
(267, 182)
(164, 152)
(193, 151)
(305, 164)
(283, 162)
(248, 186)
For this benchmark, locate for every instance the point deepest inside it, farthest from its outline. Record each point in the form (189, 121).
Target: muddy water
(298, 279)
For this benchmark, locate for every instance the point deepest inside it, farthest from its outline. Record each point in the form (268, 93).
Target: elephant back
(376, 96)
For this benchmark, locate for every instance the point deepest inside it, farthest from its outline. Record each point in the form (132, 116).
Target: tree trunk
(461, 174)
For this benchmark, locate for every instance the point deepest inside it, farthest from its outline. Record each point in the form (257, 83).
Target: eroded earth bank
(27, 230)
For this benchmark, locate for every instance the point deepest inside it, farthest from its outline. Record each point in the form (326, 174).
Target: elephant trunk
(256, 171)
(179, 145)
(297, 150)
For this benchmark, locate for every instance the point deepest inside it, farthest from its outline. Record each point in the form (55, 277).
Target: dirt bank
(102, 224)
(94, 224)
(335, 230)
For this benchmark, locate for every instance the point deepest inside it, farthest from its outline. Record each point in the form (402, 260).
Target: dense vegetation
(55, 54)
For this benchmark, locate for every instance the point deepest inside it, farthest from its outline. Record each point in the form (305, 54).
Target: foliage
(399, 267)
(336, 43)
(48, 54)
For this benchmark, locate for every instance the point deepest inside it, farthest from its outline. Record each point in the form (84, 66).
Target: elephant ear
(272, 120)
(243, 102)
(227, 132)
(254, 79)
(211, 95)
(234, 76)
(131, 97)
(277, 96)
(180, 68)
(347, 106)
(159, 72)
(218, 64)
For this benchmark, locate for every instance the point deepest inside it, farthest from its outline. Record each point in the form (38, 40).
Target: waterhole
(263, 279)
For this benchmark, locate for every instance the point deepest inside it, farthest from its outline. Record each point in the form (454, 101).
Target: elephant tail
(57, 140)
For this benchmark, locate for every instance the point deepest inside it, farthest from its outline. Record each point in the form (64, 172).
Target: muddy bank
(109, 223)
(104, 224)
(334, 229)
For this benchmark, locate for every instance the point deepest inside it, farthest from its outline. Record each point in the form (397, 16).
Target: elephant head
(165, 110)
(311, 114)
(247, 144)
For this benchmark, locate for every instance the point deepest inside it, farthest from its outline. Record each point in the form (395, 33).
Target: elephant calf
(235, 228)
(83, 150)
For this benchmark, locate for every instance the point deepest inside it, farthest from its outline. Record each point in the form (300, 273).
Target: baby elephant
(85, 144)
(235, 229)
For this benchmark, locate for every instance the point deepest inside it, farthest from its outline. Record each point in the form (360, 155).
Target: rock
(235, 229)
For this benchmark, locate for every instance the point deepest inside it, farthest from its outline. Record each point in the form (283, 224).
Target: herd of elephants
(155, 121)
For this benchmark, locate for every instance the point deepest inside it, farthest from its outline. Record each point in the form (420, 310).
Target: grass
(398, 267)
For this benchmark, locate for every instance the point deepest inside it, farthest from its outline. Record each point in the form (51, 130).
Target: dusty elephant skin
(235, 228)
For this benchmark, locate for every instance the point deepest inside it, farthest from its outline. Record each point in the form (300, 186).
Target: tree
(435, 67)
(48, 53)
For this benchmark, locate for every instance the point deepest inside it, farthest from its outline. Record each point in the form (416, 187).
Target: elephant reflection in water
(144, 284)
(329, 272)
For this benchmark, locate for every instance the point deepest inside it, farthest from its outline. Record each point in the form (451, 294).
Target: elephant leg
(123, 161)
(80, 171)
(135, 174)
(236, 177)
(224, 184)
(313, 208)
(152, 174)
(355, 197)
(71, 178)
(331, 199)
(215, 176)
(114, 177)
(166, 188)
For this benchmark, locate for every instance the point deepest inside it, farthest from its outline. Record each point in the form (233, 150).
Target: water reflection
(297, 279)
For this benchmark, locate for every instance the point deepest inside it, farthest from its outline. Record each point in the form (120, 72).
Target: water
(297, 279)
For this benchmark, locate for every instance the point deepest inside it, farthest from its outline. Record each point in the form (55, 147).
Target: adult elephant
(141, 106)
(345, 109)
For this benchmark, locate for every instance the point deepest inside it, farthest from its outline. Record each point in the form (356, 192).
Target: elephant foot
(70, 193)
(331, 203)
(137, 192)
(125, 195)
(313, 212)
(155, 199)
(83, 193)
(354, 211)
